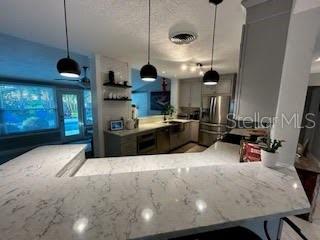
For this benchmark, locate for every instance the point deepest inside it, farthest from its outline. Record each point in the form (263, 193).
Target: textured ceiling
(118, 29)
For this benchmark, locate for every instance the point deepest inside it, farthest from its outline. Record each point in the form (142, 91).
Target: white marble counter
(45, 161)
(154, 204)
(173, 201)
(219, 153)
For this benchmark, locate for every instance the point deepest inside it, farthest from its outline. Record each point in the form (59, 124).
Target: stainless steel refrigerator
(214, 119)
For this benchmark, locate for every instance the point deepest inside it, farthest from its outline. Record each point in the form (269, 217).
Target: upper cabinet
(262, 53)
(190, 93)
(190, 90)
(224, 87)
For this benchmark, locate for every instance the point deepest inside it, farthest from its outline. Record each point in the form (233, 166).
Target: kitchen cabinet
(153, 141)
(190, 93)
(224, 87)
(120, 145)
(180, 138)
(194, 126)
(262, 53)
(163, 140)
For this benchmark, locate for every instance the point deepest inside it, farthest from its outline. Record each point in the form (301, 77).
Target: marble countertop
(248, 132)
(157, 202)
(45, 161)
(146, 127)
(219, 153)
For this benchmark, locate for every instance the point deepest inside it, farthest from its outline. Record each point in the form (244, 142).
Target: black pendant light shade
(211, 77)
(216, 2)
(68, 67)
(148, 73)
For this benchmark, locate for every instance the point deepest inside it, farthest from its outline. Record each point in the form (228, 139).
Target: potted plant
(269, 154)
(168, 110)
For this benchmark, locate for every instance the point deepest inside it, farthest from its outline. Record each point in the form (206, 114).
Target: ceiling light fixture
(212, 77)
(318, 59)
(193, 69)
(68, 67)
(148, 72)
(184, 67)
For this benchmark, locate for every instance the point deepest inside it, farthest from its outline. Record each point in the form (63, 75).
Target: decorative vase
(269, 159)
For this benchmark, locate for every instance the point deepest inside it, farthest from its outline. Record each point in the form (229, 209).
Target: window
(87, 107)
(27, 108)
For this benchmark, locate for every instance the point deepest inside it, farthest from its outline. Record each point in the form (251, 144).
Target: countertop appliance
(214, 120)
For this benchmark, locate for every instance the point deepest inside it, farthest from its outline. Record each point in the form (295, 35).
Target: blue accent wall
(142, 91)
(23, 59)
(30, 62)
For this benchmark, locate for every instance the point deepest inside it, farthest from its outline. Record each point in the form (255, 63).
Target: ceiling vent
(181, 38)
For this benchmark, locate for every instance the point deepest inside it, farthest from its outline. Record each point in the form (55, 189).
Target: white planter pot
(269, 159)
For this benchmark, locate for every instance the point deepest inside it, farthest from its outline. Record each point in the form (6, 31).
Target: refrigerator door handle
(213, 103)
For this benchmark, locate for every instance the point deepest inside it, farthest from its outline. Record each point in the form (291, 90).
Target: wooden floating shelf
(118, 100)
(116, 85)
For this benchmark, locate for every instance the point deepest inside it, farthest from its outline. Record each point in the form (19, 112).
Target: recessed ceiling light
(193, 69)
(184, 67)
(163, 72)
(318, 59)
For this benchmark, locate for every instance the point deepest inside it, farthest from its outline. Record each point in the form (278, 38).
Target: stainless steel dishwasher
(147, 143)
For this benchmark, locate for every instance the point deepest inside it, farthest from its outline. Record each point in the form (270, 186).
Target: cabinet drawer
(129, 149)
(128, 139)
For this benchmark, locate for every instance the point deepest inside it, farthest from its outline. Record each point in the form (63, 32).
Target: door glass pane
(88, 107)
(71, 114)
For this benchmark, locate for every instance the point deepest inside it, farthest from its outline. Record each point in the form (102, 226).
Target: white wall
(104, 111)
(303, 30)
(175, 93)
(314, 79)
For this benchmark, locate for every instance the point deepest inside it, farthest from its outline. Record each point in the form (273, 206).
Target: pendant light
(212, 77)
(148, 72)
(68, 67)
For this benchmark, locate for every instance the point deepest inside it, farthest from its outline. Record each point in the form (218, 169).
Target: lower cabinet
(178, 139)
(163, 140)
(158, 141)
(116, 146)
(194, 131)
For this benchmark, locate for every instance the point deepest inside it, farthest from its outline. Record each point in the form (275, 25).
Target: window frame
(4, 135)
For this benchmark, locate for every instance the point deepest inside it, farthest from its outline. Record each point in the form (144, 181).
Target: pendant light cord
(214, 34)
(66, 27)
(149, 32)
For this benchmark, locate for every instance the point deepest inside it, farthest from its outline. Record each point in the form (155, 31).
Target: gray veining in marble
(43, 161)
(158, 202)
(136, 205)
(219, 153)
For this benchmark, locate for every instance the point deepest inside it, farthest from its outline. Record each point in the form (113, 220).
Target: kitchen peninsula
(175, 195)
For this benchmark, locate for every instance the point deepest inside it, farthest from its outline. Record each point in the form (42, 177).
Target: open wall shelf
(118, 100)
(116, 85)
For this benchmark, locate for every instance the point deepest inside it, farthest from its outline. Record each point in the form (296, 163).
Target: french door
(71, 114)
